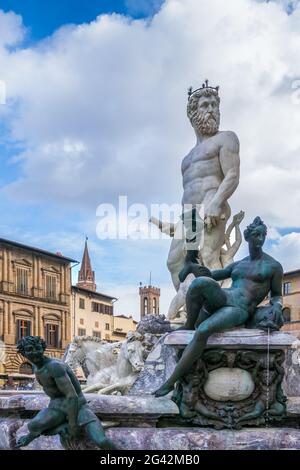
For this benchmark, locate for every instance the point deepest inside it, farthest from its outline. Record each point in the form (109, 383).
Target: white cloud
(114, 90)
(286, 249)
(100, 107)
(12, 30)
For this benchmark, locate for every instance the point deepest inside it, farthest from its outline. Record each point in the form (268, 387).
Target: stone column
(2, 323)
(39, 275)
(34, 277)
(4, 269)
(41, 326)
(35, 326)
(5, 307)
(10, 336)
(8, 270)
(63, 326)
(68, 327)
(10, 319)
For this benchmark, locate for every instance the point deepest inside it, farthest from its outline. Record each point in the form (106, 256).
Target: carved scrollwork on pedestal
(204, 400)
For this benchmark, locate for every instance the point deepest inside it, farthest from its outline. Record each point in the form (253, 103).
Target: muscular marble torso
(202, 171)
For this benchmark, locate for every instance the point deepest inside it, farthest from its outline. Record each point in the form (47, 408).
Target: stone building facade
(35, 298)
(121, 326)
(291, 301)
(92, 313)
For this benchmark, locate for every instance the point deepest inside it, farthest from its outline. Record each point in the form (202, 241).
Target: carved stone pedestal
(237, 381)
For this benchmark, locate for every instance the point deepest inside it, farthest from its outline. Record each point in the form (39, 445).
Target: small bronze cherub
(68, 413)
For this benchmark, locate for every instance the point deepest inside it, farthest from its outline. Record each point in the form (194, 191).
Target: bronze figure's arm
(221, 274)
(66, 387)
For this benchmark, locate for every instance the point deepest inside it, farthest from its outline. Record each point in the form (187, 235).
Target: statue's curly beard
(207, 123)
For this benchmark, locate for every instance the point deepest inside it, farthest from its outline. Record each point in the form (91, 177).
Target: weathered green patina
(211, 309)
(68, 413)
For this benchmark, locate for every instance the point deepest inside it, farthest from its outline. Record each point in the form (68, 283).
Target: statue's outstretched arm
(164, 227)
(221, 274)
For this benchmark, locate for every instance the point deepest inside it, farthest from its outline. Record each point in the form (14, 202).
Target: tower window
(146, 305)
(81, 303)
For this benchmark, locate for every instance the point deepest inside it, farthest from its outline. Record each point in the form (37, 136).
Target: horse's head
(72, 354)
(133, 350)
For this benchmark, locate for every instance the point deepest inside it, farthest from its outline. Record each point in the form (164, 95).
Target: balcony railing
(33, 293)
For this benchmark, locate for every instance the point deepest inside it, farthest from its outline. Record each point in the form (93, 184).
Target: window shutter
(56, 336)
(47, 333)
(18, 330)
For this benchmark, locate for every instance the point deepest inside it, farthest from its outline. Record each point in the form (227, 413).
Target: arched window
(146, 305)
(26, 368)
(154, 305)
(286, 312)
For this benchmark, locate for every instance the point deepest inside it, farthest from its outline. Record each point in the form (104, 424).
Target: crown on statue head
(205, 86)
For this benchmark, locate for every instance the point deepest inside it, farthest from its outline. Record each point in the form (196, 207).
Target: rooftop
(93, 293)
(292, 273)
(58, 256)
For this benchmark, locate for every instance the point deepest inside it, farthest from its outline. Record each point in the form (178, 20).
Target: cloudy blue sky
(95, 108)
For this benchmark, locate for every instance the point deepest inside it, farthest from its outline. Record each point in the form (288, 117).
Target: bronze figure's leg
(200, 291)
(221, 319)
(96, 433)
(46, 420)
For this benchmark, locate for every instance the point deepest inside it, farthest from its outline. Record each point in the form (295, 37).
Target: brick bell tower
(86, 276)
(149, 300)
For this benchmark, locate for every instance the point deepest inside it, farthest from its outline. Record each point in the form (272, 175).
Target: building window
(154, 305)
(97, 334)
(146, 305)
(107, 326)
(22, 281)
(96, 324)
(287, 288)
(286, 312)
(81, 321)
(81, 332)
(23, 329)
(50, 286)
(96, 307)
(51, 335)
(81, 303)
